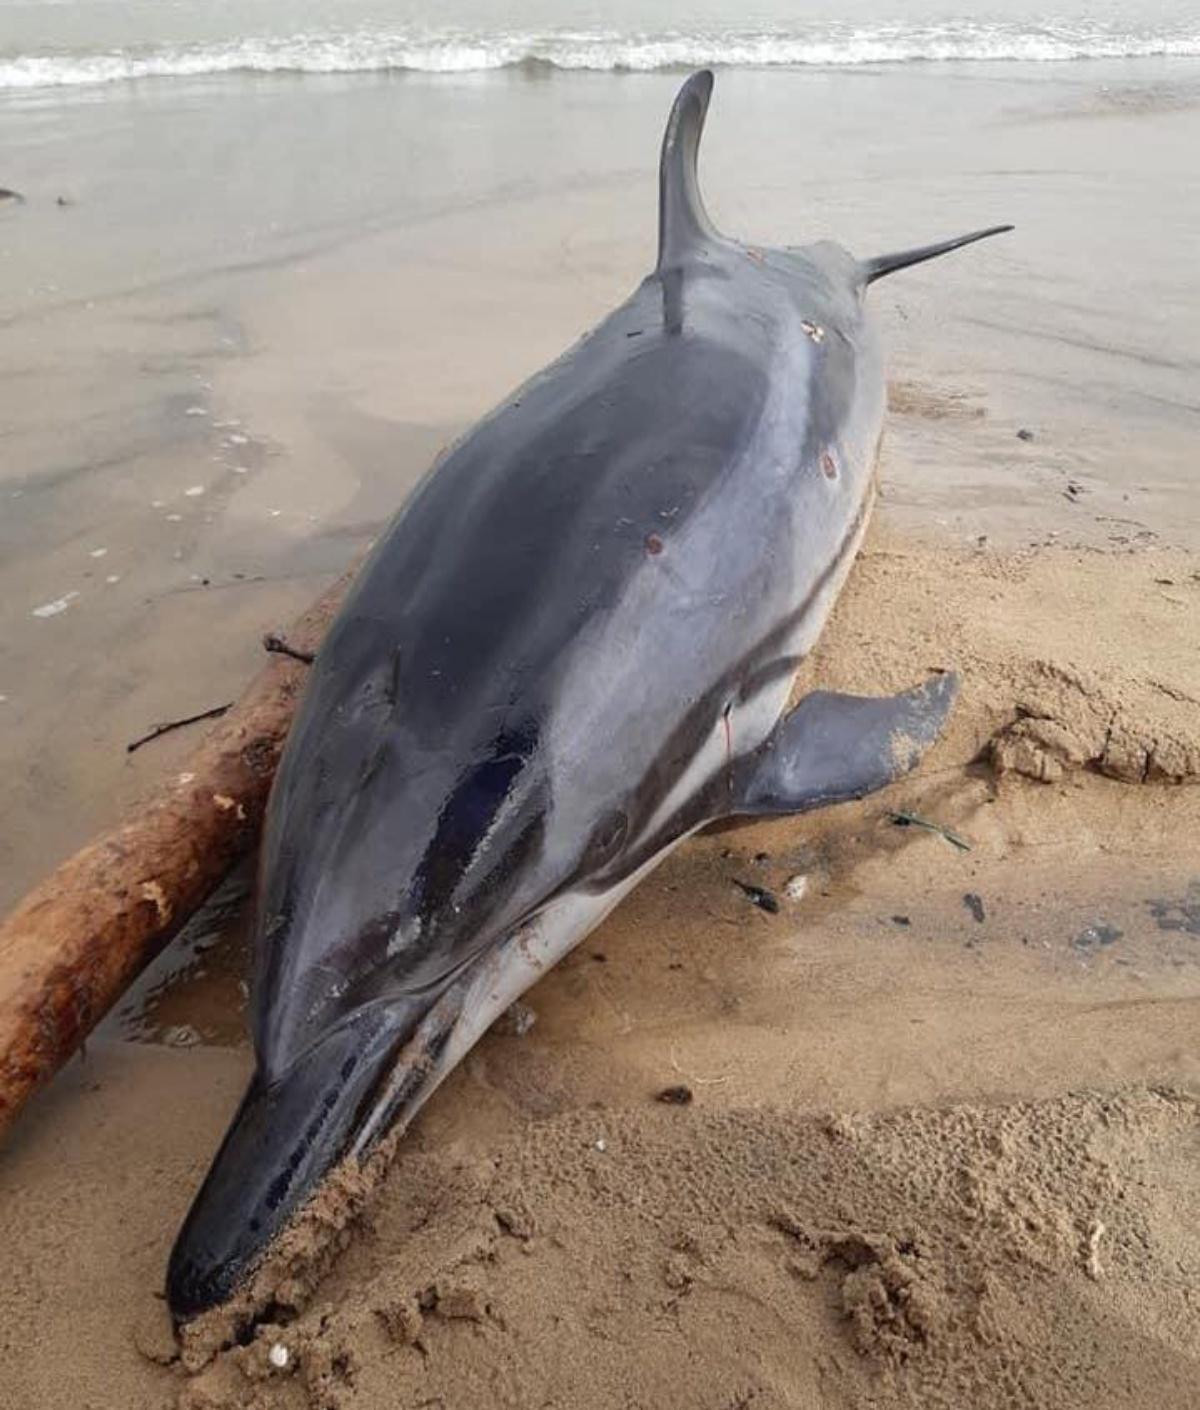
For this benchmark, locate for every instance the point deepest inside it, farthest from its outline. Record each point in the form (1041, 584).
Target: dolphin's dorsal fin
(876, 268)
(683, 223)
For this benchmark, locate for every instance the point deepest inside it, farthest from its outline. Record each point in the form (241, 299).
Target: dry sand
(942, 1144)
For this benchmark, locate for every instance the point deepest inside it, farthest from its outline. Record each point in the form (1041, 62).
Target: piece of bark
(72, 946)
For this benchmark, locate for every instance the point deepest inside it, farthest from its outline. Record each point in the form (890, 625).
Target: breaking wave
(377, 51)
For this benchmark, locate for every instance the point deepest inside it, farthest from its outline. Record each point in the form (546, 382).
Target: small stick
(168, 725)
(906, 819)
(278, 645)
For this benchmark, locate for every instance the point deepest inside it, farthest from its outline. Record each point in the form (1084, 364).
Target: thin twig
(903, 818)
(278, 645)
(168, 725)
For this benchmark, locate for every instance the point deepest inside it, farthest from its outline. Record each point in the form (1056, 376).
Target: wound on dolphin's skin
(568, 717)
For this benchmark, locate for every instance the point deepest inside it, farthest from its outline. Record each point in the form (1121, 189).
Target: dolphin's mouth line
(407, 1083)
(477, 996)
(468, 1005)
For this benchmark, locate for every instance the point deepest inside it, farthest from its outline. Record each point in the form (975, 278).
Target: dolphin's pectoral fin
(835, 747)
(879, 265)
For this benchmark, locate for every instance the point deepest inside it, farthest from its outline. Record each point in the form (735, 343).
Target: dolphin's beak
(365, 1077)
(286, 1137)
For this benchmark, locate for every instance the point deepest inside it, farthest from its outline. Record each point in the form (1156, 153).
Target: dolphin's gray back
(607, 556)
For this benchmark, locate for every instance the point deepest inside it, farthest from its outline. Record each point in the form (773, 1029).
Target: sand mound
(1138, 731)
(678, 1257)
(1109, 679)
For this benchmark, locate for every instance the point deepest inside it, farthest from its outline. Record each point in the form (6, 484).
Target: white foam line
(460, 52)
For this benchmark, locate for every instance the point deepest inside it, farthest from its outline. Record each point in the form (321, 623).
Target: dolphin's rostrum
(570, 650)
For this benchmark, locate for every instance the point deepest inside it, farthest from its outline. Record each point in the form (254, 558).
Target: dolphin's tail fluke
(872, 269)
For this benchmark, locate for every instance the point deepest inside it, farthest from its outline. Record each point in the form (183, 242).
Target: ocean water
(54, 43)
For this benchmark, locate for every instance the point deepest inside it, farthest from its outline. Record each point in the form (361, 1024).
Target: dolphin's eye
(607, 836)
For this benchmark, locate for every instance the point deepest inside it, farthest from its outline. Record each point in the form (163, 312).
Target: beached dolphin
(572, 648)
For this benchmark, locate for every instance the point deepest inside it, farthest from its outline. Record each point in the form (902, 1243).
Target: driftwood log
(72, 946)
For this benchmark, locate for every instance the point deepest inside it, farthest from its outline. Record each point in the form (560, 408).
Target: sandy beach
(942, 1141)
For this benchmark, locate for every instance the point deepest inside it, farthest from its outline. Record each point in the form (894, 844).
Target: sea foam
(379, 51)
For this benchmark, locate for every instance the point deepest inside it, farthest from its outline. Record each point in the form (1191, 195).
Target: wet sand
(907, 1124)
